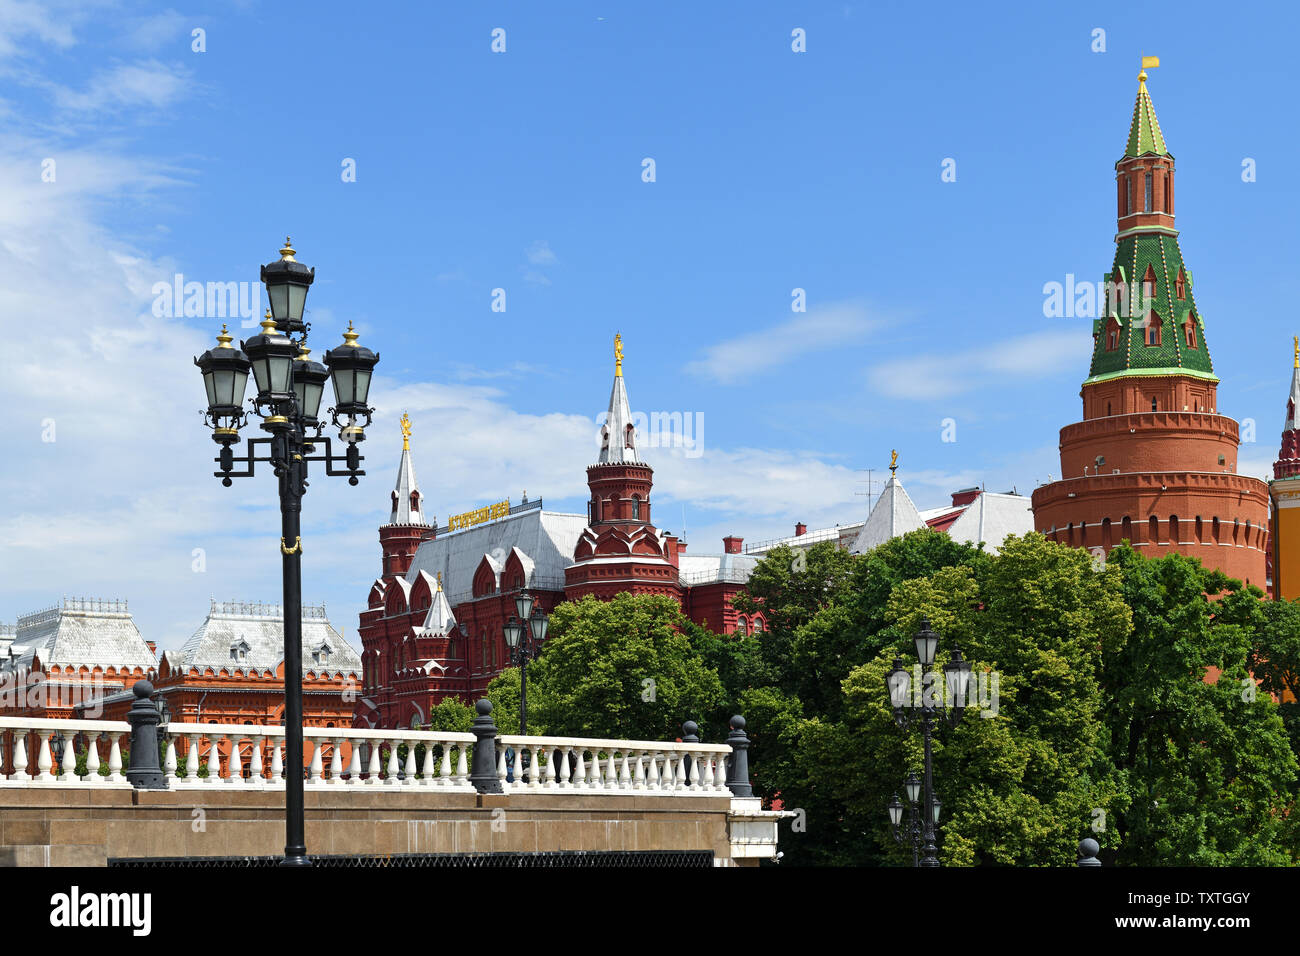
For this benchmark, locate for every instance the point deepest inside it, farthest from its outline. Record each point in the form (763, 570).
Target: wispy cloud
(539, 255)
(147, 83)
(737, 360)
(944, 374)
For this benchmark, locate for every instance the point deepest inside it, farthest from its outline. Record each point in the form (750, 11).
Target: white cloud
(739, 359)
(944, 374)
(21, 21)
(540, 253)
(147, 83)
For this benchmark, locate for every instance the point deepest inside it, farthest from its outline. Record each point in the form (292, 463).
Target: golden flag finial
(406, 432)
(1148, 62)
(893, 461)
(618, 354)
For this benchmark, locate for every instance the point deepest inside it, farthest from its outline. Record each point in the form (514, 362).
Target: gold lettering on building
(468, 519)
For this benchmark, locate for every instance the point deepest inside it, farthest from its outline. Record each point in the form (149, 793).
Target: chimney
(731, 544)
(964, 497)
(670, 549)
(800, 528)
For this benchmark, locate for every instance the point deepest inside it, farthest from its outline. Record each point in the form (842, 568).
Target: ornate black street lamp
(524, 636)
(957, 678)
(289, 390)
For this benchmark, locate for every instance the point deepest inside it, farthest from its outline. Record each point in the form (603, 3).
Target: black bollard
(484, 772)
(144, 772)
(738, 762)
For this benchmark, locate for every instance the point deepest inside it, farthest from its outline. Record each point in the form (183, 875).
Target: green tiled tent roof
(1144, 134)
(1173, 356)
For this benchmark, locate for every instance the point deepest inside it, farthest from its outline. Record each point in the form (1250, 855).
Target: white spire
(439, 622)
(893, 515)
(618, 438)
(407, 500)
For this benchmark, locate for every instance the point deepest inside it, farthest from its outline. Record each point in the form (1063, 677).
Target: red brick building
(434, 628)
(1153, 461)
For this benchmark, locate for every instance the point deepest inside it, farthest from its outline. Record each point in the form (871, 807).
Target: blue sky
(522, 171)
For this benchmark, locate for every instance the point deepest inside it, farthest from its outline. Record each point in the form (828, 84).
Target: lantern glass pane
(310, 401)
(363, 385)
(540, 623)
(280, 366)
(211, 387)
(260, 374)
(895, 812)
(223, 386)
(343, 386)
(913, 788)
(899, 684)
(524, 605)
(279, 298)
(297, 297)
(239, 386)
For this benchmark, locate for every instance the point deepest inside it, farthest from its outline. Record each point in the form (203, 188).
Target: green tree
(625, 668)
(450, 715)
(1206, 765)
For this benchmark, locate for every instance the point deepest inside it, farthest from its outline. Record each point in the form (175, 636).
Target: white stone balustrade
(576, 764)
(29, 745)
(225, 756)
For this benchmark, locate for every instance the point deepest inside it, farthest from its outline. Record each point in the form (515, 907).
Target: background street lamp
(289, 390)
(524, 636)
(957, 678)
(912, 832)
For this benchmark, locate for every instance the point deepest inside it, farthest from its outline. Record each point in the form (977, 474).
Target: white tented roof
(991, 517)
(893, 515)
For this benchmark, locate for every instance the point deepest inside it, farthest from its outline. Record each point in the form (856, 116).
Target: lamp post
(524, 636)
(957, 678)
(289, 390)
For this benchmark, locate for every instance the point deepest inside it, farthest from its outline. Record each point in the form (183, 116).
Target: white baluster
(20, 756)
(43, 758)
(694, 776)
(638, 779)
(336, 763)
(214, 763)
(444, 767)
(462, 764)
(317, 766)
(579, 770)
(393, 766)
(115, 760)
(551, 768)
(410, 764)
(354, 763)
(277, 760)
(593, 771)
(372, 773)
(255, 774)
(428, 766)
(611, 773)
(92, 760)
(564, 767)
(624, 776)
(720, 772)
(70, 760)
(501, 765)
(192, 761)
(235, 765)
(169, 761)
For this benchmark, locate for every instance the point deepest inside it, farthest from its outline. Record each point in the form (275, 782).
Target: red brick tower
(406, 525)
(620, 550)
(1152, 461)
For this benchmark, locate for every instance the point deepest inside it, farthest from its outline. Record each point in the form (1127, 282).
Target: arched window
(1155, 407)
(1200, 530)
(1153, 329)
(758, 624)
(1190, 327)
(628, 434)
(1149, 279)
(1126, 529)
(636, 506)
(415, 501)
(1218, 538)
(1180, 285)
(1105, 534)
(1108, 409)
(1154, 525)
(1146, 200)
(742, 625)
(1128, 195)
(1174, 536)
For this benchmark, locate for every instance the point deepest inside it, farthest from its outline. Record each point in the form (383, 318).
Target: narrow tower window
(1128, 196)
(636, 507)
(1146, 200)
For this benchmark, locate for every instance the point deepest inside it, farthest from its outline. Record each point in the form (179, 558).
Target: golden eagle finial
(893, 460)
(406, 432)
(618, 355)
